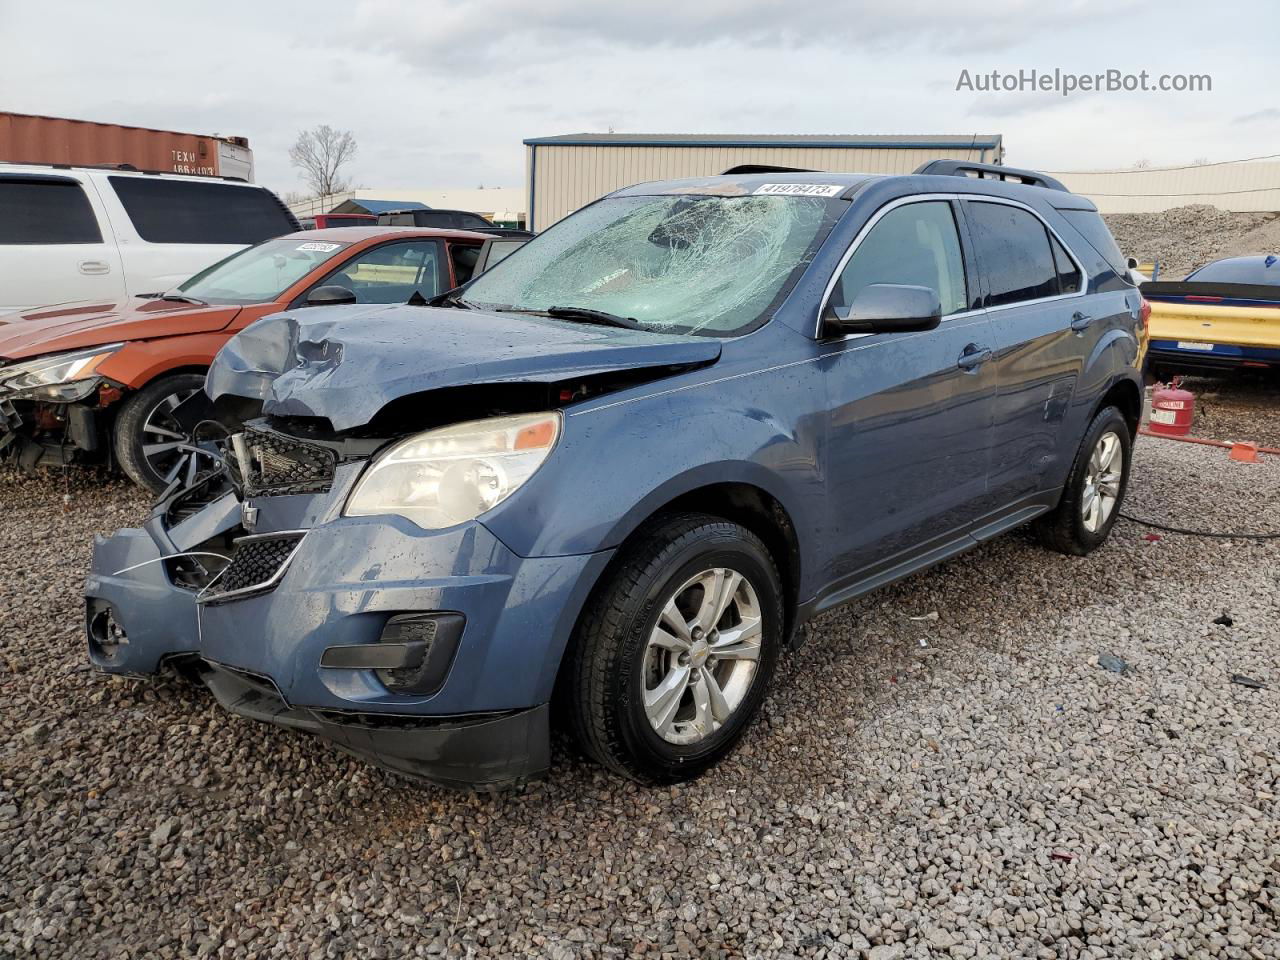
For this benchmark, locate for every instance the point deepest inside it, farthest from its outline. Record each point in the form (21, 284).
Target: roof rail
(764, 168)
(989, 171)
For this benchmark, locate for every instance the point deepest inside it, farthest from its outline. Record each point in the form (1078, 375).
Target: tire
(615, 668)
(1067, 528)
(143, 412)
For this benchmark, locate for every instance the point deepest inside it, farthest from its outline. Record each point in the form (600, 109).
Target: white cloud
(441, 92)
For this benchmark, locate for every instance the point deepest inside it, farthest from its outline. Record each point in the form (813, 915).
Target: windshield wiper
(593, 316)
(182, 298)
(450, 300)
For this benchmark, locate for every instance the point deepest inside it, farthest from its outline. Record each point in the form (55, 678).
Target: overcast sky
(440, 93)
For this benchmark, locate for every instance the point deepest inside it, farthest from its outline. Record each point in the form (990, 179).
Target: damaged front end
(411, 636)
(56, 410)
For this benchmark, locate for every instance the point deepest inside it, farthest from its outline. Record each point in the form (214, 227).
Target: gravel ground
(1188, 237)
(967, 785)
(1239, 406)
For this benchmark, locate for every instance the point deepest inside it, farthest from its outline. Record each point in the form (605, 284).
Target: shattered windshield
(674, 264)
(260, 273)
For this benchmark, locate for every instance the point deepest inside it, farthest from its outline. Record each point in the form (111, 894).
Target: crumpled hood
(73, 326)
(347, 363)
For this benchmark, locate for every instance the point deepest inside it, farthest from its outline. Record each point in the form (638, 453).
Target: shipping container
(25, 138)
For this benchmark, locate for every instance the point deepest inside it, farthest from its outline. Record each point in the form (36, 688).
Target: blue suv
(608, 481)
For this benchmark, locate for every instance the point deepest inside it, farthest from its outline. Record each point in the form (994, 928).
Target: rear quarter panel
(154, 267)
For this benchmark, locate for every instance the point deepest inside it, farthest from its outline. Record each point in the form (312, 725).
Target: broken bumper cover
(340, 588)
(459, 752)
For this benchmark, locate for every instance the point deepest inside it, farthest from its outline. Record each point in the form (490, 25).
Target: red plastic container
(1172, 409)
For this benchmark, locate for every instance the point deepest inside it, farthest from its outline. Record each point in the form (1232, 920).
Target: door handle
(1079, 322)
(973, 357)
(94, 267)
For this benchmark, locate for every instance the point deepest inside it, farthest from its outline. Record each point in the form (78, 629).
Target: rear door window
(46, 212)
(186, 211)
(392, 272)
(914, 244)
(1013, 248)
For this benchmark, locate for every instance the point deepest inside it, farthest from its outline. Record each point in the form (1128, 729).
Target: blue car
(607, 482)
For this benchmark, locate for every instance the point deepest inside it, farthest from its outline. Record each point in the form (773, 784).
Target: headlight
(450, 475)
(62, 378)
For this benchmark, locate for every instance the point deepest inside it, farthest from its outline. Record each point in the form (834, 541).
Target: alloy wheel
(1102, 482)
(701, 656)
(165, 447)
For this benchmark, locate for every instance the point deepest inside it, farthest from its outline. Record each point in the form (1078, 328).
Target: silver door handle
(973, 357)
(1080, 322)
(94, 267)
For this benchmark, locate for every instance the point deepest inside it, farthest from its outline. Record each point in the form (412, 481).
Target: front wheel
(150, 444)
(1095, 489)
(673, 656)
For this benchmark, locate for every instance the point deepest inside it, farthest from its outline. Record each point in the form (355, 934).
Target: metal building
(566, 172)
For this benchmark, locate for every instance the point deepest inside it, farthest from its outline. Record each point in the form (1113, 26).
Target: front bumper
(48, 434)
(459, 752)
(342, 584)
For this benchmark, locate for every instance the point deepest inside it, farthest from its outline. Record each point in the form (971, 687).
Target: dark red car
(323, 221)
(100, 381)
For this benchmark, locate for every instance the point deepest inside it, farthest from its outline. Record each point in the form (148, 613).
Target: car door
(1042, 333)
(55, 244)
(392, 272)
(910, 414)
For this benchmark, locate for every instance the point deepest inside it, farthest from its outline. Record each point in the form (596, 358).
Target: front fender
(619, 463)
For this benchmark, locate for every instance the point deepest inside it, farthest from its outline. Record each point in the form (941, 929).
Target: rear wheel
(674, 655)
(1095, 489)
(150, 444)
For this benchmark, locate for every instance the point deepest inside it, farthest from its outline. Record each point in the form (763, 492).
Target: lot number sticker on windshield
(320, 247)
(800, 189)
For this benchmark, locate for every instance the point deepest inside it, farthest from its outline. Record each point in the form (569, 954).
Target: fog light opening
(106, 633)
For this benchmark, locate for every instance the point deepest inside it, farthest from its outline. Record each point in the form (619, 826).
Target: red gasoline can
(1171, 410)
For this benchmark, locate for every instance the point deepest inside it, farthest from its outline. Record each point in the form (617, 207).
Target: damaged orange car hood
(75, 326)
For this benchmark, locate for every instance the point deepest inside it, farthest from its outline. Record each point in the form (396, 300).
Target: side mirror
(887, 308)
(331, 295)
(1133, 263)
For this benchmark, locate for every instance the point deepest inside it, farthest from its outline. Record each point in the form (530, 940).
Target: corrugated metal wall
(569, 177)
(1229, 186)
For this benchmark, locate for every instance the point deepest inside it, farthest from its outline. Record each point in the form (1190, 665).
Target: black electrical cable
(1199, 533)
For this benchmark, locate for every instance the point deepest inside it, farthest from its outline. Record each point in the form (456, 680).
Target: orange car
(100, 381)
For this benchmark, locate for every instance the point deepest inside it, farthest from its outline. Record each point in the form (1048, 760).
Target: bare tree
(321, 154)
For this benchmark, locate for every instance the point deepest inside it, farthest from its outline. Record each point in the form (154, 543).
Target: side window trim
(1084, 274)
(975, 279)
(961, 199)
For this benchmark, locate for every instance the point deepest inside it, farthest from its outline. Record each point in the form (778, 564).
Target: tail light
(1144, 314)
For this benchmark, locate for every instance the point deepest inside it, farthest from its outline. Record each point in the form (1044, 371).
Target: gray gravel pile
(1187, 237)
(970, 784)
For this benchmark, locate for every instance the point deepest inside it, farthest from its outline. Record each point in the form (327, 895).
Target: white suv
(88, 233)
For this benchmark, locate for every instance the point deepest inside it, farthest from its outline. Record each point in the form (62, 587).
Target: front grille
(276, 463)
(256, 565)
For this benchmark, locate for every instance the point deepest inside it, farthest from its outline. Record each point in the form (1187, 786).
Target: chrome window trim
(947, 197)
